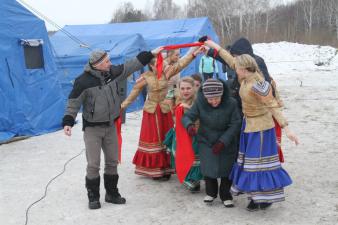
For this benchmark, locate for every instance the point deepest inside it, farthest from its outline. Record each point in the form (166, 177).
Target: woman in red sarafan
(151, 158)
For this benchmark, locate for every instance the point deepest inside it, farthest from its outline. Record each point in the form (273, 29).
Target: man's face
(104, 65)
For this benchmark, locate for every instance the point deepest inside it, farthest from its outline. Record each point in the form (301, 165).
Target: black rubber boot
(93, 192)
(112, 192)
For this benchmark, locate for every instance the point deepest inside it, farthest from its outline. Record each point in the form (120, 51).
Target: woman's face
(241, 73)
(175, 56)
(197, 84)
(215, 101)
(186, 90)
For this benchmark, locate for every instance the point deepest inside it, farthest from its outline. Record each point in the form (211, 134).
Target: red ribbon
(159, 64)
(118, 125)
(278, 130)
(184, 152)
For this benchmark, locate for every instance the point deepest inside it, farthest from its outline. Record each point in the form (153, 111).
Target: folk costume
(258, 171)
(243, 46)
(177, 139)
(151, 158)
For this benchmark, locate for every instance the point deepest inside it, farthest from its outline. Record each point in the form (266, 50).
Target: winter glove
(218, 147)
(191, 129)
(203, 39)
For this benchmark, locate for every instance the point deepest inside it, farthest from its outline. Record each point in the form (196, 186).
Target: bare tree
(167, 9)
(127, 13)
(307, 21)
(308, 7)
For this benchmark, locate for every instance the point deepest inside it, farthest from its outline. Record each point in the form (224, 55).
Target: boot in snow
(112, 192)
(93, 191)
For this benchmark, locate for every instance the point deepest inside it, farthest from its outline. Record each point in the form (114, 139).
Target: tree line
(303, 21)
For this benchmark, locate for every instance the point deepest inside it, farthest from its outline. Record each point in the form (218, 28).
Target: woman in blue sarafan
(258, 171)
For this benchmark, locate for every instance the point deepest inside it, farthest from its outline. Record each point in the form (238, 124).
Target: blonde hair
(247, 62)
(172, 51)
(188, 80)
(151, 63)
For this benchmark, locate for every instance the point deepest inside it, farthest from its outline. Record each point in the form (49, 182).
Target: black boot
(112, 192)
(264, 205)
(196, 188)
(252, 206)
(93, 191)
(166, 177)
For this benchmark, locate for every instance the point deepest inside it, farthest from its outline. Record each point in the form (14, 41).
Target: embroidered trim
(261, 88)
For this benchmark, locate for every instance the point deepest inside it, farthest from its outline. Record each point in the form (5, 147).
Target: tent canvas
(31, 98)
(155, 33)
(72, 56)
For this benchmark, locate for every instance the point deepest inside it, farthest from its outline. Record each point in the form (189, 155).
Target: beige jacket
(258, 104)
(157, 88)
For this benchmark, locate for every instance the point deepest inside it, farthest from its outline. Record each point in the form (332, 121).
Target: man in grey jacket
(96, 90)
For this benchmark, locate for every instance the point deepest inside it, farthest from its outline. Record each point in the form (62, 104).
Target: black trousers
(211, 188)
(206, 76)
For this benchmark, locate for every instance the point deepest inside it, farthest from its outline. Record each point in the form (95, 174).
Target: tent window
(33, 53)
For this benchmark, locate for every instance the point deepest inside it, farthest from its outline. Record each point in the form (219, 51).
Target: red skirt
(151, 158)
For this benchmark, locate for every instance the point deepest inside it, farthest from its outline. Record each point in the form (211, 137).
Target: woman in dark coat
(217, 136)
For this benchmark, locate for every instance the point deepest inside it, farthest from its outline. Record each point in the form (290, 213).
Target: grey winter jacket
(97, 92)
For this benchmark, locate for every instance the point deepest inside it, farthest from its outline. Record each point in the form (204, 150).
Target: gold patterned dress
(151, 158)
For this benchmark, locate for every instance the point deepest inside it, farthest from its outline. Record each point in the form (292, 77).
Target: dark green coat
(216, 124)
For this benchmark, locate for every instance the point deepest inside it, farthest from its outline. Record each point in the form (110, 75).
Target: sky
(71, 12)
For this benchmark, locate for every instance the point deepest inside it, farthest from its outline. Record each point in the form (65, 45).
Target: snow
(285, 57)
(310, 95)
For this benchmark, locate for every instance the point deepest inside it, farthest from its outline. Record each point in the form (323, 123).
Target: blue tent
(155, 33)
(73, 55)
(31, 98)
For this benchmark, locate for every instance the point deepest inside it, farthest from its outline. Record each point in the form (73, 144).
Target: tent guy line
(71, 36)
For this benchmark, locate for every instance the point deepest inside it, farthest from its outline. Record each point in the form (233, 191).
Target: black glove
(203, 39)
(191, 129)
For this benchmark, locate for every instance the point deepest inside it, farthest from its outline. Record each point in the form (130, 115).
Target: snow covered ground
(310, 95)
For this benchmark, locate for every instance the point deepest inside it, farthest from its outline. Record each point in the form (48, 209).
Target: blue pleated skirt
(258, 171)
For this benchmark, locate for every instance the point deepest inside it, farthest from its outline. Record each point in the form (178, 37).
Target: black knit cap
(241, 46)
(212, 88)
